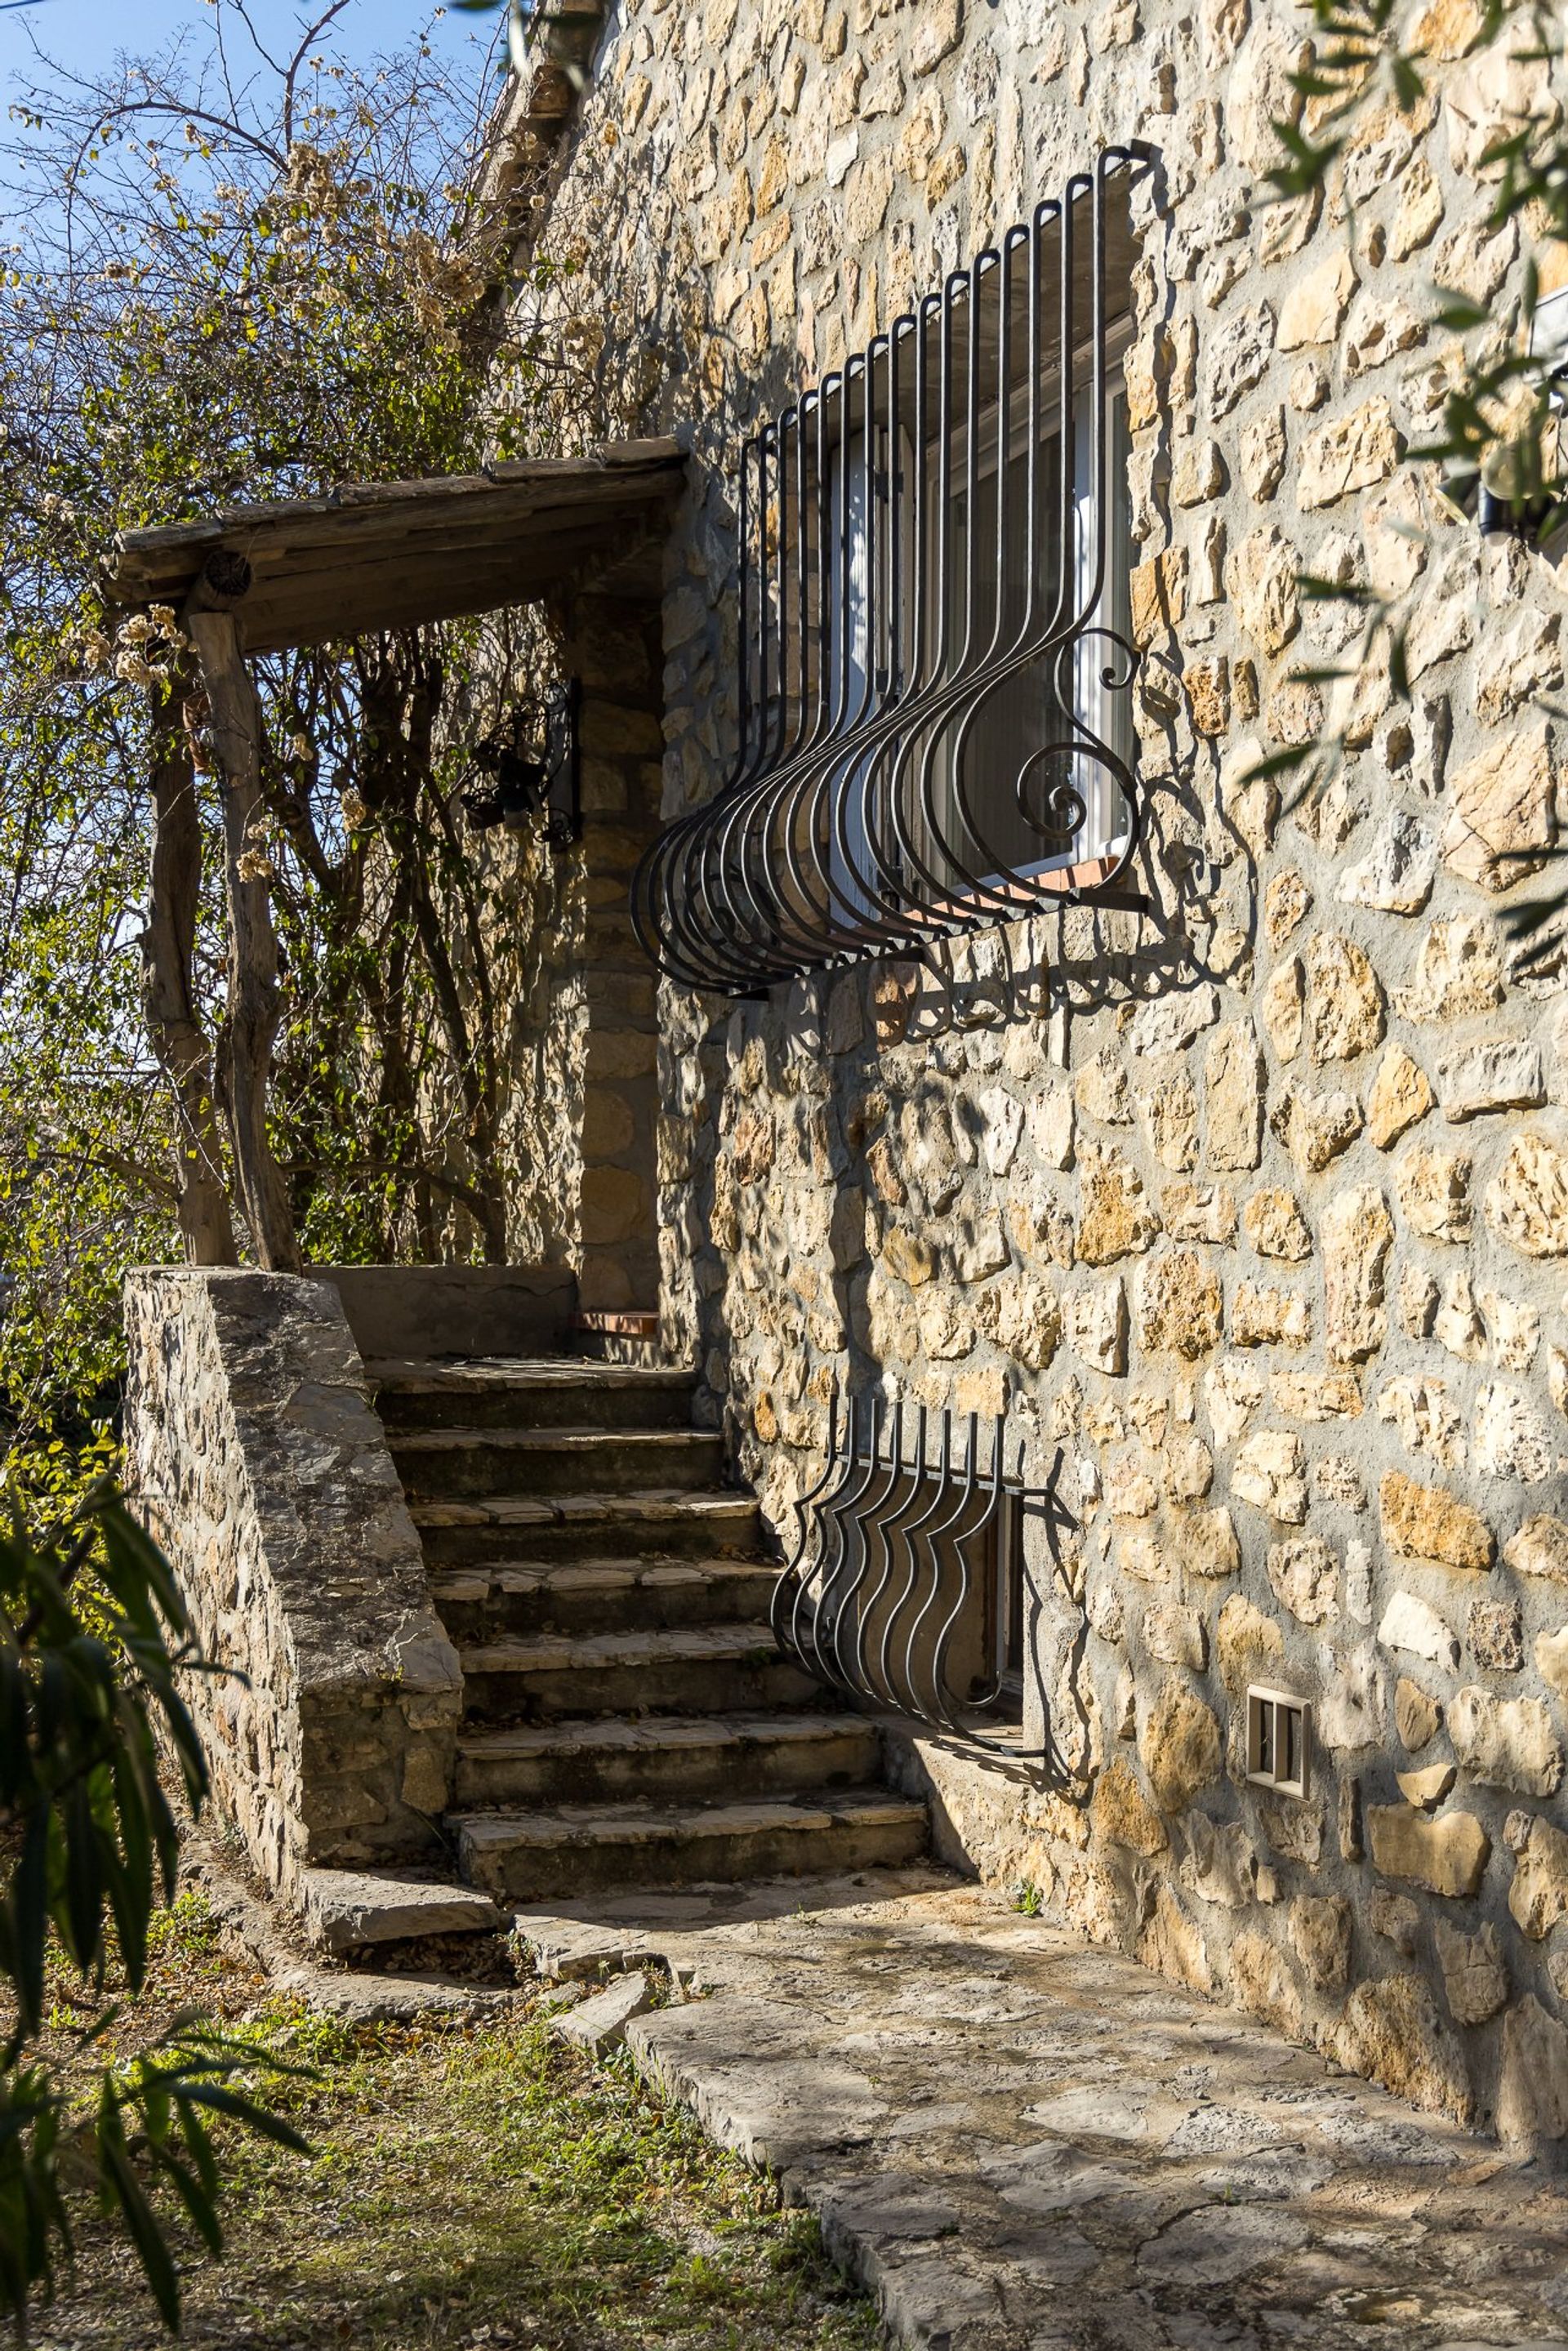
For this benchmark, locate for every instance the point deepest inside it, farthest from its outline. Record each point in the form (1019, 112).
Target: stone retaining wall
(253, 1455)
(1257, 1208)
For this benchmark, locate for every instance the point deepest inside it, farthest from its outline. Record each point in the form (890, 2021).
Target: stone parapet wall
(1257, 1208)
(255, 1458)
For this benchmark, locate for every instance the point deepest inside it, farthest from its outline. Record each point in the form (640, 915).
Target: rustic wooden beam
(168, 993)
(255, 1003)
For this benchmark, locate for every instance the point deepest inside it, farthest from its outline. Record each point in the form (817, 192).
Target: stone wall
(1257, 1208)
(253, 1455)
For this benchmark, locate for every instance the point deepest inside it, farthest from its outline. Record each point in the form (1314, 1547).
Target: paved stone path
(1022, 2143)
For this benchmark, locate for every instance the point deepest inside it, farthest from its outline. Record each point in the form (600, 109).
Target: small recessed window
(1278, 1738)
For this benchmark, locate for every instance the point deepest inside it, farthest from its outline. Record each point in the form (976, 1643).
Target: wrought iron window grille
(936, 664)
(908, 1588)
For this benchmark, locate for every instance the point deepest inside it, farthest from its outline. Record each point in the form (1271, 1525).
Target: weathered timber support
(168, 996)
(255, 1004)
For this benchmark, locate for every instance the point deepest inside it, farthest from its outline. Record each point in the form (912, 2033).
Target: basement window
(935, 639)
(1278, 1735)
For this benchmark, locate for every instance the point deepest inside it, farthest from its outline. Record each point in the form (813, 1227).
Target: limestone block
(1167, 1023)
(1357, 1235)
(1419, 213)
(1514, 1330)
(1304, 1575)
(1314, 1127)
(1446, 1855)
(1540, 1548)
(1417, 1714)
(1458, 1325)
(1263, 1316)
(1180, 1304)
(1426, 1416)
(1552, 1660)
(1312, 310)
(1396, 874)
(1475, 1977)
(1505, 1742)
(1527, 1202)
(1348, 452)
(1379, 328)
(1286, 903)
(1176, 1634)
(1284, 1007)
(1199, 475)
(1510, 1438)
(1261, 579)
(1517, 664)
(1179, 1746)
(1125, 1814)
(1321, 1937)
(1503, 1073)
(1270, 1471)
(1411, 1623)
(1208, 1544)
(1501, 817)
(1169, 1105)
(1262, 1982)
(343, 1909)
(1537, 1891)
(1260, 91)
(1275, 1226)
(598, 2024)
(1532, 2089)
(1428, 1522)
(1172, 1945)
(1233, 1071)
(1221, 1864)
(1234, 1391)
(1391, 2032)
(1395, 1917)
(1434, 1189)
(1345, 1001)
(1458, 969)
(1496, 1633)
(1199, 1212)
(1051, 1120)
(1237, 357)
(1316, 1396)
(1262, 451)
(1427, 1788)
(1094, 1324)
(1116, 1217)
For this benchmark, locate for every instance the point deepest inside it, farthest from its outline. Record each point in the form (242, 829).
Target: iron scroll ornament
(896, 1587)
(923, 534)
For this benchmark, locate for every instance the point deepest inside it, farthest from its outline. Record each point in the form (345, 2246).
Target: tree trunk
(168, 997)
(254, 1005)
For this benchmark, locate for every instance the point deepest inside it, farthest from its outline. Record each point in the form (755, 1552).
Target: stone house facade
(1250, 1206)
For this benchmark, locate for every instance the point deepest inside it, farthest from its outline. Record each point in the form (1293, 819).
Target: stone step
(573, 1849)
(696, 1670)
(493, 1461)
(477, 1530)
(603, 1596)
(511, 1392)
(671, 1758)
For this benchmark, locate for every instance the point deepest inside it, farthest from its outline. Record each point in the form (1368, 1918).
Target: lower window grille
(907, 1590)
(936, 664)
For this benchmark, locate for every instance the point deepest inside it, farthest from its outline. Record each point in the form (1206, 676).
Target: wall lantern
(527, 769)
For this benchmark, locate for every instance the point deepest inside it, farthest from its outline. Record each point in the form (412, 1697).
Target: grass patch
(473, 2185)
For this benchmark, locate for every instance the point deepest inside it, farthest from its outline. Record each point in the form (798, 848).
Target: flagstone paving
(1023, 2143)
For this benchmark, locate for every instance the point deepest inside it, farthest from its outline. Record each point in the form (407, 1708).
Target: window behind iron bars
(928, 556)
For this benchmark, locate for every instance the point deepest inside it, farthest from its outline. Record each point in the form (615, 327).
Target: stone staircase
(629, 1721)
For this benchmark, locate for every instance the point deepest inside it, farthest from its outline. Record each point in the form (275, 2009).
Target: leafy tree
(1497, 453)
(241, 277)
(92, 1637)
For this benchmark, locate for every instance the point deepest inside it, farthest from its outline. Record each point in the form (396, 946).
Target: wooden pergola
(261, 578)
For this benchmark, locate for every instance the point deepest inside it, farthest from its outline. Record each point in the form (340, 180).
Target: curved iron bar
(843, 1609)
(831, 838)
(785, 1583)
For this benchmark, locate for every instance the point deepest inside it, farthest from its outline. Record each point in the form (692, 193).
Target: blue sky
(86, 32)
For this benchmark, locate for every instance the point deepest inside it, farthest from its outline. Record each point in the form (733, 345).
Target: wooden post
(250, 1023)
(168, 996)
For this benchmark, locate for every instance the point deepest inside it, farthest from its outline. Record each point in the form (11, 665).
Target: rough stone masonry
(1257, 1210)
